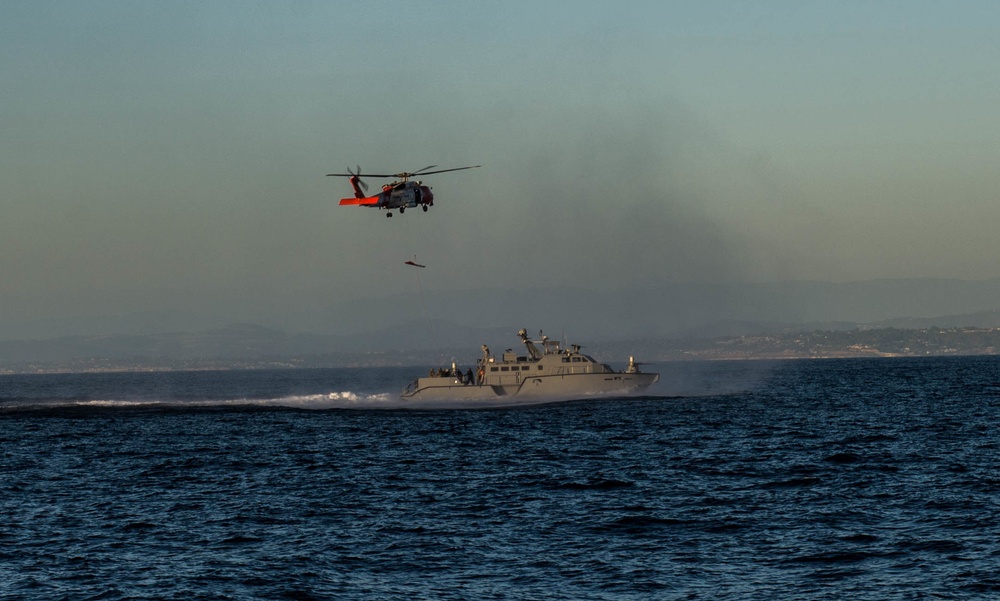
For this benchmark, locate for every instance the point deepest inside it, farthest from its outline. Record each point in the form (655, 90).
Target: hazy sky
(171, 155)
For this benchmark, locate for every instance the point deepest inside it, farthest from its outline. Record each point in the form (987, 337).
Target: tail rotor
(356, 177)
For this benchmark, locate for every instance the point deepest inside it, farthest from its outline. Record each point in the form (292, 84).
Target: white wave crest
(331, 400)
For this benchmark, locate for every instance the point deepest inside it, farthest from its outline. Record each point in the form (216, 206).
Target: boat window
(504, 368)
(493, 369)
(540, 368)
(565, 359)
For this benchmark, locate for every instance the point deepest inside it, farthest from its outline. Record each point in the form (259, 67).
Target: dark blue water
(845, 479)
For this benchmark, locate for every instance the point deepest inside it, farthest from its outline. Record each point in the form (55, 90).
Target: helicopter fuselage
(401, 195)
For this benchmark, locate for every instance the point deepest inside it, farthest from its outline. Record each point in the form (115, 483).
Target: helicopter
(402, 193)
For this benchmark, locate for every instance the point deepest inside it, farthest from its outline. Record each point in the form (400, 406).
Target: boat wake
(331, 400)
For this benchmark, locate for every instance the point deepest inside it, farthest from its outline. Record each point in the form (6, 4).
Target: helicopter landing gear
(424, 207)
(389, 214)
(401, 209)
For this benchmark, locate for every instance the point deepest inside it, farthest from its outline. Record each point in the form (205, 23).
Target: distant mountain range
(644, 319)
(691, 309)
(241, 341)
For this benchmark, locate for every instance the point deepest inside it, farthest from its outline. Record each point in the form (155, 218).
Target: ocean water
(833, 479)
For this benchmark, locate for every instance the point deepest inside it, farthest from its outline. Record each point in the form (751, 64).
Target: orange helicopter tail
(369, 201)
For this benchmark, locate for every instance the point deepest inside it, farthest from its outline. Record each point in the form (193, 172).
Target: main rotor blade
(405, 173)
(445, 170)
(366, 175)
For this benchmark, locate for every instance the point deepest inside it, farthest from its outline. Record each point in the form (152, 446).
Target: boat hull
(542, 388)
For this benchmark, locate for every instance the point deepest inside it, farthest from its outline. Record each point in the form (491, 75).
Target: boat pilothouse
(546, 370)
(550, 360)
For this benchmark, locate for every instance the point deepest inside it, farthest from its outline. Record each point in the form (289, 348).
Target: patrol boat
(550, 373)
